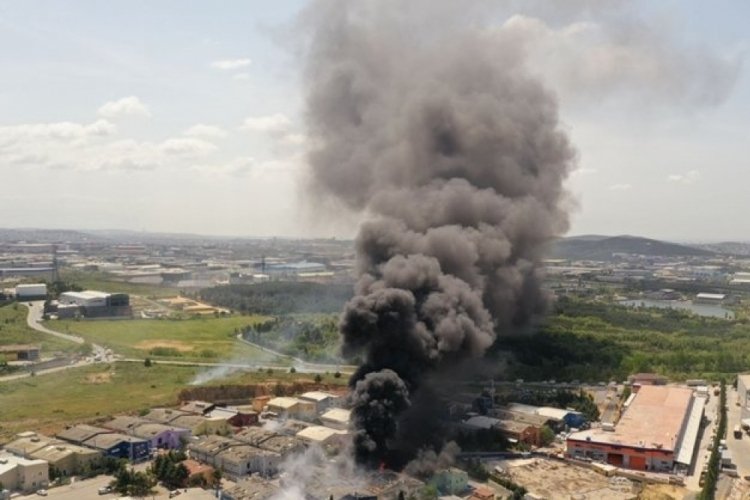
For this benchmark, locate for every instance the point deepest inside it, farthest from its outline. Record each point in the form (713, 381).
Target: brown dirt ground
(147, 345)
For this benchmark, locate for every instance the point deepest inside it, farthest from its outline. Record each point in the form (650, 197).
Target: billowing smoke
(420, 119)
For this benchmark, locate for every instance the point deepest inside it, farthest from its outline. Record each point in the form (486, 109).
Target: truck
(737, 432)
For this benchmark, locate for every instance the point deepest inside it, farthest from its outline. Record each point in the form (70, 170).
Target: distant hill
(594, 247)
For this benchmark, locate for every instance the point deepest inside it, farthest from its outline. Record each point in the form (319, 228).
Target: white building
(31, 291)
(322, 400)
(336, 418)
(22, 474)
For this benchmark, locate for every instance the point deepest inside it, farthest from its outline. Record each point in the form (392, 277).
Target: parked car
(104, 490)
(41, 493)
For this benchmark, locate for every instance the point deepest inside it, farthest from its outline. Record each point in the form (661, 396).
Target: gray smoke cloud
(419, 118)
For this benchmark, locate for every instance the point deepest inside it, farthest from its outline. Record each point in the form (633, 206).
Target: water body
(699, 309)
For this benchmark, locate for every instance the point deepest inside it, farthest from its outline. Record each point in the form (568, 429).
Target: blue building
(121, 446)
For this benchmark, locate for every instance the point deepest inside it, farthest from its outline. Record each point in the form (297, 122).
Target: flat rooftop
(653, 420)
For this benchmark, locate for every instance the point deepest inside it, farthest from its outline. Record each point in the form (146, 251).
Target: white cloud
(689, 177)
(127, 106)
(241, 76)
(620, 187)
(271, 124)
(230, 64)
(11, 135)
(206, 131)
(186, 147)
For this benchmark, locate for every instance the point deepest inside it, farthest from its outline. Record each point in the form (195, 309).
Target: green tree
(318, 378)
(546, 436)
(147, 363)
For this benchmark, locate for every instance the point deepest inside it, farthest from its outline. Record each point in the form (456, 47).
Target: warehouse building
(286, 407)
(651, 434)
(336, 418)
(93, 304)
(19, 352)
(322, 400)
(22, 474)
(35, 291)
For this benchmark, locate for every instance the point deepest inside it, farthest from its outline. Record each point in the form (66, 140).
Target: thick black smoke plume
(419, 118)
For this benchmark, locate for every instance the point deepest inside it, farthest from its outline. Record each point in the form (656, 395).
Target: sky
(187, 116)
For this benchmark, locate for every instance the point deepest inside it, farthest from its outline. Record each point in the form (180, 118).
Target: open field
(200, 339)
(14, 330)
(88, 393)
(90, 280)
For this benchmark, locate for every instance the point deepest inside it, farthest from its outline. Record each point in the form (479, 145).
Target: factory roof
(188, 421)
(81, 433)
(652, 421)
(481, 422)
(152, 429)
(254, 435)
(711, 296)
(281, 444)
(252, 488)
(27, 444)
(164, 415)
(243, 452)
(318, 433)
(107, 441)
(18, 347)
(223, 413)
(86, 294)
(284, 402)
(318, 396)
(197, 407)
(211, 445)
(337, 415)
(690, 436)
(55, 452)
(124, 423)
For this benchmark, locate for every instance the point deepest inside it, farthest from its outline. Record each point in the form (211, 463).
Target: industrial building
(657, 432)
(322, 400)
(336, 418)
(66, 458)
(557, 418)
(19, 352)
(22, 474)
(93, 304)
(286, 407)
(35, 291)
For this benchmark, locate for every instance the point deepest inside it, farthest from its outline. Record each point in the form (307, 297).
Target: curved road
(36, 310)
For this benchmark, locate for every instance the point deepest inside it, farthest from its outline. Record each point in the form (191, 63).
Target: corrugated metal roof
(690, 436)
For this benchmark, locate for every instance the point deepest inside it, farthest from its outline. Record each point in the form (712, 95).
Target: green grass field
(14, 330)
(46, 403)
(200, 339)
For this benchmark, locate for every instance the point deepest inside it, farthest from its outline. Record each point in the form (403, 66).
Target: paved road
(89, 489)
(740, 448)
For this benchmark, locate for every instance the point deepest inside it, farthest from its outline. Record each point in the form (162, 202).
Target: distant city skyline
(188, 118)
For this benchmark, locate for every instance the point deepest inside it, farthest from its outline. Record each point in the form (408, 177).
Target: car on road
(41, 493)
(104, 490)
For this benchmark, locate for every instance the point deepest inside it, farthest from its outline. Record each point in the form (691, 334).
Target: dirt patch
(147, 345)
(662, 492)
(99, 378)
(554, 480)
